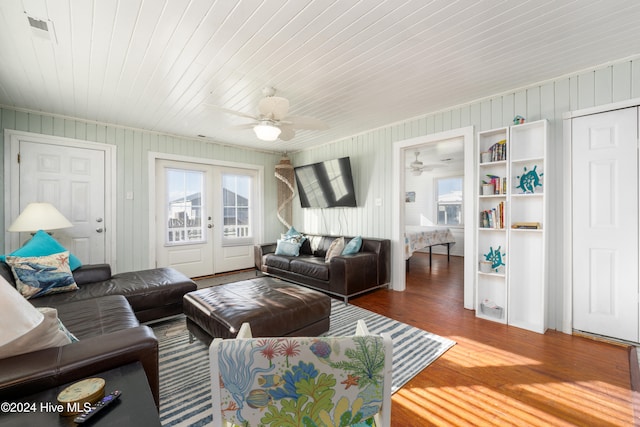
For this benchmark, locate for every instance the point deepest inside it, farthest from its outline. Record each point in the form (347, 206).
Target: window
(237, 205)
(185, 205)
(449, 200)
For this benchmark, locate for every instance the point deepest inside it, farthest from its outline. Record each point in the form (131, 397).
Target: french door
(205, 217)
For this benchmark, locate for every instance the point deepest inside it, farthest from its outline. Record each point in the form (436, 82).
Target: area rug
(222, 279)
(185, 392)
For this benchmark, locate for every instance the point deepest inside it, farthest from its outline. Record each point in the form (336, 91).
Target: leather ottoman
(273, 308)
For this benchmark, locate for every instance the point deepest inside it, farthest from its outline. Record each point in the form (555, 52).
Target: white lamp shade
(267, 132)
(39, 216)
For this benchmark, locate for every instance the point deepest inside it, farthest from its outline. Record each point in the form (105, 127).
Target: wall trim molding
(398, 275)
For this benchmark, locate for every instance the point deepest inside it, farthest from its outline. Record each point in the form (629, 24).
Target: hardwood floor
(498, 374)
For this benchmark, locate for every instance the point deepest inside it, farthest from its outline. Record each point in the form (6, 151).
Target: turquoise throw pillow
(292, 232)
(293, 236)
(288, 248)
(42, 244)
(353, 247)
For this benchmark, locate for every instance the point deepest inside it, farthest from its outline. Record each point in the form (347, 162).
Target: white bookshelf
(519, 288)
(491, 282)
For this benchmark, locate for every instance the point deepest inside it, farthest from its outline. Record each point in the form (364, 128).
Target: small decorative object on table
(518, 120)
(77, 394)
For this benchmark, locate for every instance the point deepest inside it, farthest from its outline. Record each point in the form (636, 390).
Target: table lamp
(39, 216)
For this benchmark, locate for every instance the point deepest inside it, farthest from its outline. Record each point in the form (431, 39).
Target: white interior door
(73, 180)
(605, 223)
(184, 217)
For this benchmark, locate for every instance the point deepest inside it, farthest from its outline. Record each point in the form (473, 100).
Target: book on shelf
(526, 225)
(493, 218)
(498, 151)
(499, 184)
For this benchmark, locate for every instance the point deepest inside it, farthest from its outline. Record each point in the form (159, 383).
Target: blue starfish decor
(495, 257)
(529, 180)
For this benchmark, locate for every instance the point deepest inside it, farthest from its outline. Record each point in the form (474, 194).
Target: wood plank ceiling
(356, 65)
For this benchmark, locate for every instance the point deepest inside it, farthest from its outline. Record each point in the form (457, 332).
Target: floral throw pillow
(323, 381)
(38, 276)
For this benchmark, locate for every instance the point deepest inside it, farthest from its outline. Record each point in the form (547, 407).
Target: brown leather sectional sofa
(105, 315)
(344, 276)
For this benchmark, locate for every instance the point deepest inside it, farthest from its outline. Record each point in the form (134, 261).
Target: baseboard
(634, 368)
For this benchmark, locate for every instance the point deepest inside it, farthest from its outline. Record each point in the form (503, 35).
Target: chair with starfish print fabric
(302, 381)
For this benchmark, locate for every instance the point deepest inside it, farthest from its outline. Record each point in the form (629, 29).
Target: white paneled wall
(371, 152)
(132, 234)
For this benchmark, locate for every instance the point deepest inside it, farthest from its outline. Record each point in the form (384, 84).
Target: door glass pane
(237, 206)
(449, 200)
(185, 206)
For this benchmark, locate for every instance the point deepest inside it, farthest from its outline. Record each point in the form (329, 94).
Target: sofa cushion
(145, 289)
(311, 267)
(97, 316)
(43, 275)
(278, 261)
(42, 244)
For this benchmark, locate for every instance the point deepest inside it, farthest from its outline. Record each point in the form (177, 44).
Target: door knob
(98, 219)
(99, 230)
(210, 226)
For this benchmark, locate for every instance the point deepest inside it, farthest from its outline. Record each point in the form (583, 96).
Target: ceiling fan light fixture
(266, 131)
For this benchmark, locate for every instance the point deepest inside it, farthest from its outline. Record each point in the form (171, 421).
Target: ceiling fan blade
(302, 122)
(274, 107)
(228, 111)
(432, 167)
(242, 127)
(287, 132)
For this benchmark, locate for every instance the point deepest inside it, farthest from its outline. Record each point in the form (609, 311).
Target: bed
(421, 237)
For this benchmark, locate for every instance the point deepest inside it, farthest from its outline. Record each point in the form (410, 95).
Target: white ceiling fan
(417, 167)
(272, 121)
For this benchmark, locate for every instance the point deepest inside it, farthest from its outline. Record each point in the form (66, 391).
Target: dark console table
(135, 407)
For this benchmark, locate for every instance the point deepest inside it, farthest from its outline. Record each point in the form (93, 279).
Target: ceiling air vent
(42, 28)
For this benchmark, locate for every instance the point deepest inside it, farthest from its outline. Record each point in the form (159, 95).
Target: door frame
(567, 200)
(398, 274)
(12, 140)
(154, 156)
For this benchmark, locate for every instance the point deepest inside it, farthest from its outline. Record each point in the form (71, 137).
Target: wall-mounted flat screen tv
(327, 184)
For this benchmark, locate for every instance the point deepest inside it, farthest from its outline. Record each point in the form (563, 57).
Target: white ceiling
(357, 65)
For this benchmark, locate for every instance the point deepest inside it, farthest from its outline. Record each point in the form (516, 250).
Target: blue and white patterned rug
(185, 392)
